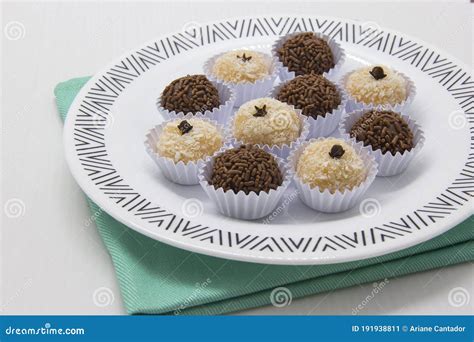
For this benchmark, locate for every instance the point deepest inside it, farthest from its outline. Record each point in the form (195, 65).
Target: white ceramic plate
(106, 126)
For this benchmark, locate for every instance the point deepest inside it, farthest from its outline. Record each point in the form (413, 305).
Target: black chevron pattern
(94, 114)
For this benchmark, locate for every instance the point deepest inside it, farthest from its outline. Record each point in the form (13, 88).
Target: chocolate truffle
(306, 54)
(377, 85)
(190, 94)
(331, 164)
(383, 130)
(241, 66)
(313, 94)
(246, 168)
(189, 140)
(266, 121)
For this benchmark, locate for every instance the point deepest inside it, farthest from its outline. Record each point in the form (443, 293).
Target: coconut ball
(189, 140)
(377, 85)
(242, 66)
(331, 164)
(266, 121)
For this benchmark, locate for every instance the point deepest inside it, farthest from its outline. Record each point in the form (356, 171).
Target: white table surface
(50, 262)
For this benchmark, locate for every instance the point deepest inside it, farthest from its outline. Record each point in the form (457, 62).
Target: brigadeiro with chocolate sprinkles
(190, 94)
(313, 94)
(394, 138)
(246, 168)
(383, 130)
(305, 53)
(245, 181)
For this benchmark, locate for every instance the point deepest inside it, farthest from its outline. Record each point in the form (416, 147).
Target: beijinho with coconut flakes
(241, 66)
(331, 164)
(377, 85)
(189, 140)
(266, 121)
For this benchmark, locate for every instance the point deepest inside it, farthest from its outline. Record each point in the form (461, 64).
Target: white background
(51, 263)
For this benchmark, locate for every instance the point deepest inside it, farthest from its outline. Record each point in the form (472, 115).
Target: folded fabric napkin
(159, 279)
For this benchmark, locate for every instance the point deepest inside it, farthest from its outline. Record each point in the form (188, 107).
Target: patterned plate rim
(86, 123)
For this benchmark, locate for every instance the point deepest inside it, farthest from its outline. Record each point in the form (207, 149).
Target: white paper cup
(246, 91)
(219, 114)
(240, 205)
(282, 151)
(389, 164)
(338, 201)
(337, 52)
(353, 104)
(321, 126)
(180, 172)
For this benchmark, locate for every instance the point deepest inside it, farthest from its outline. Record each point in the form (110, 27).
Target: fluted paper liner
(337, 52)
(240, 205)
(389, 164)
(219, 114)
(353, 104)
(180, 172)
(338, 201)
(246, 91)
(321, 126)
(282, 151)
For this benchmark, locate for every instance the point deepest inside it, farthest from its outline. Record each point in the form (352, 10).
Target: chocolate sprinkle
(246, 168)
(190, 94)
(184, 127)
(336, 151)
(306, 54)
(383, 130)
(260, 111)
(244, 58)
(313, 94)
(377, 73)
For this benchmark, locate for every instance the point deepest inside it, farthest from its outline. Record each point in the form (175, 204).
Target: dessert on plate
(332, 174)
(320, 101)
(242, 66)
(378, 85)
(393, 138)
(273, 125)
(250, 74)
(244, 181)
(196, 94)
(180, 146)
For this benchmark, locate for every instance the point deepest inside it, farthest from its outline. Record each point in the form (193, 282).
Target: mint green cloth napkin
(159, 279)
